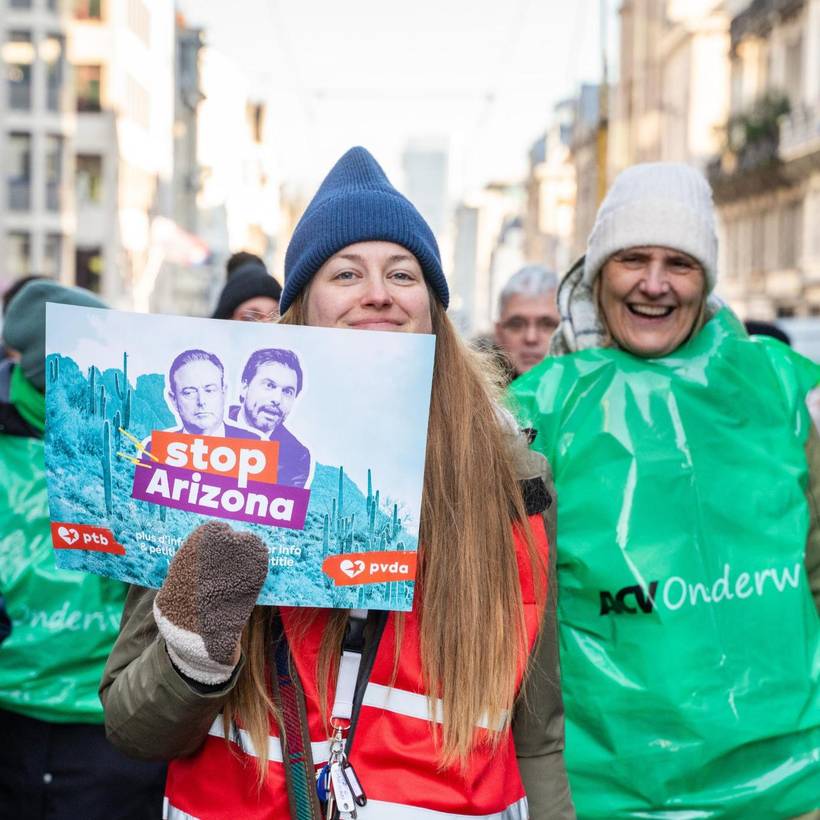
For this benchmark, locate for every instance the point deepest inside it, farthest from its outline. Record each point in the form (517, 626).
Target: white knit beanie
(666, 204)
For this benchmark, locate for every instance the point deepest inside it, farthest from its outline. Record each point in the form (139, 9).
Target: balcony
(800, 135)
(760, 17)
(751, 158)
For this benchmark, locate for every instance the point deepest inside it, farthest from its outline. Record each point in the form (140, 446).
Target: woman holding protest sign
(415, 715)
(688, 475)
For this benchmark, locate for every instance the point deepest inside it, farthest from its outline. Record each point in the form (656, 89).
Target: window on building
(730, 248)
(18, 56)
(139, 20)
(88, 79)
(771, 241)
(88, 9)
(815, 220)
(89, 179)
(256, 120)
(138, 102)
(88, 268)
(791, 234)
(52, 255)
(54, 171)
(19, 171)
(52, 50)
(794, 71)
(758, 236)
(744, 246)
(18, 254)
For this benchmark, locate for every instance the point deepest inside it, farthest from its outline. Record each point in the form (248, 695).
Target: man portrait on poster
(271, 381)
(197, 392)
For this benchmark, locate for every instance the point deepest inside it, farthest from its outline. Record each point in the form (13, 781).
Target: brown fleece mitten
(206, 600)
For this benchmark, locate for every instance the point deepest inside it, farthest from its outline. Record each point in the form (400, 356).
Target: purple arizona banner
(220, 496)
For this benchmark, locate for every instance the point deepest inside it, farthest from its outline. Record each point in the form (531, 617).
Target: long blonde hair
(473, 633)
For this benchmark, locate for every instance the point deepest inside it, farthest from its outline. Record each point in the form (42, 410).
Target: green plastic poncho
(63, 623)
(690, 643)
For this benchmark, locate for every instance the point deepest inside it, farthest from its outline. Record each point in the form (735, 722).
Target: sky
(480, 76)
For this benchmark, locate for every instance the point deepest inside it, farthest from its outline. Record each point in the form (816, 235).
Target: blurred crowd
(672, 447)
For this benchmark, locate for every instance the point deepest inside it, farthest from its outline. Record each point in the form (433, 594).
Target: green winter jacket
(63, 623)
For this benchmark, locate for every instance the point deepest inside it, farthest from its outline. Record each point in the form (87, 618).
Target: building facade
(123, 63)
(672, 96)
(551, 192)
(37, 125)
(766, 178)
(488, 249)
(589, 165)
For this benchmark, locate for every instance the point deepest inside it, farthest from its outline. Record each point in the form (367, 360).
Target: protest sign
(311, 438)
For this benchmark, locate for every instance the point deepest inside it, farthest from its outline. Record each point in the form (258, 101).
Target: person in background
(196, 655)
(5, 359)
(688, 482)
(251, 294)
(55, 763)
(759, 328)
(239, 260)
(755, 327)
(527, 318)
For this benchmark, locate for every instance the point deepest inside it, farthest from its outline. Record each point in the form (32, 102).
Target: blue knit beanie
(357, 203)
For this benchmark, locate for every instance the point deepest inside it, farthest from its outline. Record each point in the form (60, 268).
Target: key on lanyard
(353, 781)
(341, 791)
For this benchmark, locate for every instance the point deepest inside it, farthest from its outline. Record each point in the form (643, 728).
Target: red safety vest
(393, 750)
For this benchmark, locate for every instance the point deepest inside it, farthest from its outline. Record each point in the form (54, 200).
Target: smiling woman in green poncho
(688, 479)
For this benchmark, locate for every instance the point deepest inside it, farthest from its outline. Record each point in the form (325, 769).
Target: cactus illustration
(326, 537)
(54, 369)
(376, 501)
(394, 530)
(371, 526)
(126, 410)
(106, 465)
(117, 425)
(163, 511)
(341, 491)
(121, 388)
(103, 400)
(92, 390)
(369, 490)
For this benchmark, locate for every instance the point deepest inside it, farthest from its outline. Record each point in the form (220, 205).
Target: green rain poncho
(63, 623)
(690, 643)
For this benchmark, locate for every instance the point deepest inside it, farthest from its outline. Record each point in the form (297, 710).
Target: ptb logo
(632, 599)
(70, 536)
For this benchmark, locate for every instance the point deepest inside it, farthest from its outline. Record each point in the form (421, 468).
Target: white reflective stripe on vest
(170, 812)
(381, 810)
(409, 704)
(319, 750)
